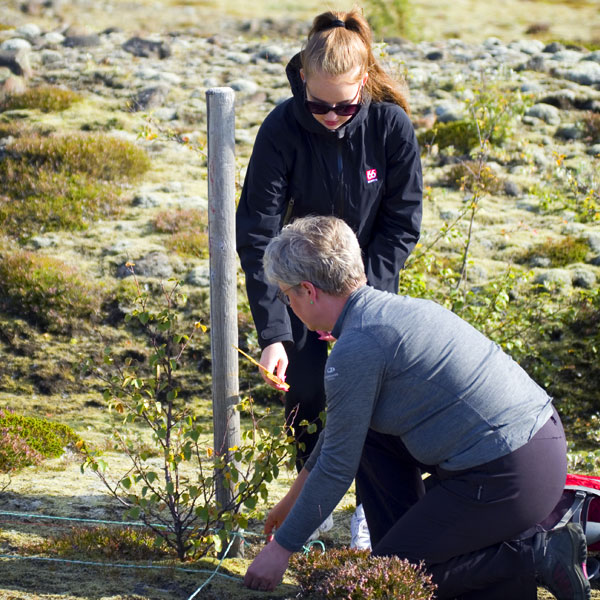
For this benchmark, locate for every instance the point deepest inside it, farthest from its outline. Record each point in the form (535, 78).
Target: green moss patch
(45, 290)
(45, 98)
(64, 182)
(26, 441)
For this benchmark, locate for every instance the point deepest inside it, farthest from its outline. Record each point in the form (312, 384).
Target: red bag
(580, 503)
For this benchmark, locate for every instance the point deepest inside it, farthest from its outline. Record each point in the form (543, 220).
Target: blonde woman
(343, 145)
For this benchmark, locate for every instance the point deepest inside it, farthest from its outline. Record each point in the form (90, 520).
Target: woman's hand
(275, 360)
(267, 569)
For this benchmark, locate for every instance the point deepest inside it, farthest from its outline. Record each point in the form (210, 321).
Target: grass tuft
(63, 182)
(45, 98)
(188, 229)
(98, 543)
(561, 253)
(45, 291)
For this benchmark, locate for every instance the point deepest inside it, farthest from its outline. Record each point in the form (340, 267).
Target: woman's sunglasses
(341, 110)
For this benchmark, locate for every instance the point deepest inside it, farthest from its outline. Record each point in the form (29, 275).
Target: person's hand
(275, 360)
(267, 569)
(277, 514)
(325, 336)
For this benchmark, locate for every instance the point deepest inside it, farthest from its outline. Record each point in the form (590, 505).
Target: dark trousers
(306, 398)
(473, 529)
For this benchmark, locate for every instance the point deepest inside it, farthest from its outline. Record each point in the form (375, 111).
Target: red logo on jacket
(371, 175)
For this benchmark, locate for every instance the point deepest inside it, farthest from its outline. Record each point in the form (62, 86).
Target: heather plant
(27, 441)
(188, 229)
(44, 98)
(63, 182)
(346, 574)
(174, 494)
(46, 291)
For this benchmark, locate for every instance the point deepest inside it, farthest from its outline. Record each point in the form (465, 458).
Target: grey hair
(322, 250)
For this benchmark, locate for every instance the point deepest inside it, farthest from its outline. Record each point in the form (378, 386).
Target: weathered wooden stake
(223, 281)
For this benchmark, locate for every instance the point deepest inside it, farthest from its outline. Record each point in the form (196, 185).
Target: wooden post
(223, 282)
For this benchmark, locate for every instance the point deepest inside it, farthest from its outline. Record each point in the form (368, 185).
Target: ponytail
(339, 42)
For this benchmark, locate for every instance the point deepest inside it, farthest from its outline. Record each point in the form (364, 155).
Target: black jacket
(367, 172)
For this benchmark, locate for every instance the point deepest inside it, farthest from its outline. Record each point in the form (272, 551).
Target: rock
(244, 86)
(239, 58)
(435, 55)
(559, 278)
(593, 150)
(149, 98)
(546, 112)
(595, 56)
(536, 63)
(17, 61)
(29, 31)
(569, 132)
(583, 278)
(594, 241)
(146, 200)
(15, 44)
(147, 48)
(553, 47)
(583, 73)
(51, 57)
(449, 111)
(82, 41)
(44, 241)
(199, 276)
(165, 113)
(540, 262)
(154, 264)
(53, 38)
(528, 46)
(511, 189)
(272, 53)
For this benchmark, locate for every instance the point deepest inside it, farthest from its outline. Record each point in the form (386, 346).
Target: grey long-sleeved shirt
(411, 368)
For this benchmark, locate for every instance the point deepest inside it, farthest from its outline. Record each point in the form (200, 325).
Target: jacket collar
(303, 115)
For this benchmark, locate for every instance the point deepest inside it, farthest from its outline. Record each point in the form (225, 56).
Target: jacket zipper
(339, 204)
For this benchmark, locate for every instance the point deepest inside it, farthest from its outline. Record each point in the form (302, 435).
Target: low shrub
(44, 98)
(63, 182)
(26, 441)
(562, 252)
(188, 229)
(45, 291)
(474, 177)
(97, 543)
(345, 574)
(462, 135)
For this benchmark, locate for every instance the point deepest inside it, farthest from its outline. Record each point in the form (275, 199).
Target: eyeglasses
(282, 295)
(341, 110)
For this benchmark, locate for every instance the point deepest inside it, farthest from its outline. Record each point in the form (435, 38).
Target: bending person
(411, 387)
